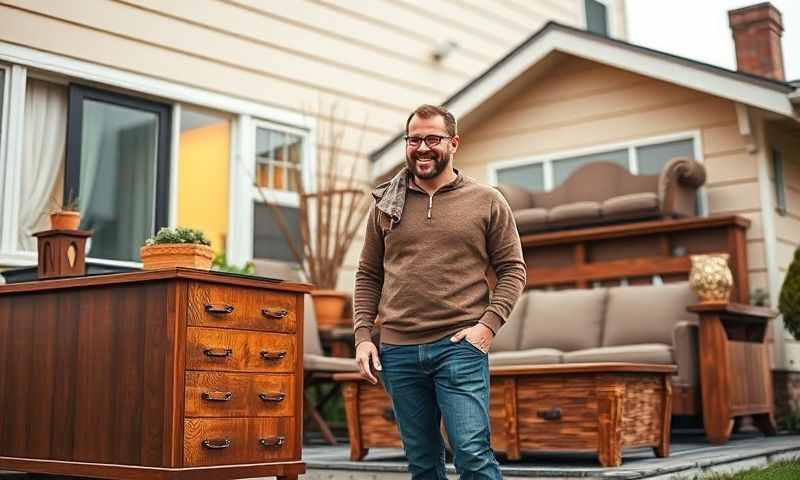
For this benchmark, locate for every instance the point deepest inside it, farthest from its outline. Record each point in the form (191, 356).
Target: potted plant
(66, 215)
(178, 247)
(789, 301)
(330, 217)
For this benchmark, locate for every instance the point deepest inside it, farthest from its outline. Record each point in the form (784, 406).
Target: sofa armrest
(517, 198)
(678, 184)
(685, 336)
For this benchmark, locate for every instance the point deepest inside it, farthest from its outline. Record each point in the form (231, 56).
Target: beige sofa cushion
(641, 353)
(630, 203)
(508, 337)
(329, 364)
(530, 219)
(533, 356)
(566, 320)
(572, 211)
(646, 313)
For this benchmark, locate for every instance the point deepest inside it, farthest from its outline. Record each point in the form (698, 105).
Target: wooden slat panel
(636, 267)
(644, 403)
(746, 362)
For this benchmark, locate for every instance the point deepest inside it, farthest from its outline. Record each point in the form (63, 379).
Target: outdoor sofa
(604, 192)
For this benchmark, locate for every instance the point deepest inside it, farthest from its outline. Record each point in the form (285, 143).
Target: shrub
(178, 235)
(789, 301)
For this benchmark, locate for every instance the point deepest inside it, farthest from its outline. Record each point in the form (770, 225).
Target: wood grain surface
(243, 392)
(245, 350)
(250, 309)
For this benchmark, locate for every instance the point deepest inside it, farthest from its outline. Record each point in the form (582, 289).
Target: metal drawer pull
(272, 441)
(222, 309)
(272, 397)
(217, 444)
(388, 414)
(552, 414)
(217, 352)
(277, 314)
(272, 355)
(217, 396)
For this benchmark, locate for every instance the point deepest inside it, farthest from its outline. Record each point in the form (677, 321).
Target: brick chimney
(757, 31)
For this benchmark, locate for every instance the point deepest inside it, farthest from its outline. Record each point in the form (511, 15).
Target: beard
(432, 169)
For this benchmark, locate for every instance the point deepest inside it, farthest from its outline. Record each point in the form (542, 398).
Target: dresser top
(156, 275)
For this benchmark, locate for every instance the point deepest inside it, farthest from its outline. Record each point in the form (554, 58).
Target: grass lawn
(785, 470)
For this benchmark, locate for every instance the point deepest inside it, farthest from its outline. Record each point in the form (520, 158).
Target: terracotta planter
(171, 255)
(329, 306)
(710, 278)
(65, 220)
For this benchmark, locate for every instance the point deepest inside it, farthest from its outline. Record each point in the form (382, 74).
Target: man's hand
(365, 352)
(479, 335)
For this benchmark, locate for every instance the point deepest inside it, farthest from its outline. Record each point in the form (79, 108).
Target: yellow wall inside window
(203, 181)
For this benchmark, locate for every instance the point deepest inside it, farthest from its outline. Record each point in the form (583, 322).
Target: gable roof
(768, 94)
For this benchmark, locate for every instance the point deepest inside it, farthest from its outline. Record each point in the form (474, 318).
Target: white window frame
(244, 194)
(19, 59)
(633, 165)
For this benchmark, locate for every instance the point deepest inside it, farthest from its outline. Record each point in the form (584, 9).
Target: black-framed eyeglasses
(430, 140)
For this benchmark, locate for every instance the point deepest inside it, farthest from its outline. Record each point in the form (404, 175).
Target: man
(430, 240)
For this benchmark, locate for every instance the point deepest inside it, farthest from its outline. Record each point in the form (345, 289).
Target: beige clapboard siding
(502, 14)
(470, 19)
(54, 35)
(361, 31)
(411, 21)
(305, 41)
(212, 46)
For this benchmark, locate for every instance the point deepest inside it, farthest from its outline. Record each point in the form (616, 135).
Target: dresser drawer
(224, 394)
(212, 305)
(238, 440)
(235, 350)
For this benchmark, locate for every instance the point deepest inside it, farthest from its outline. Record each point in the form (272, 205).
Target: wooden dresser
(160, 374)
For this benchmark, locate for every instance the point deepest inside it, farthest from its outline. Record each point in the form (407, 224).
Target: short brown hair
(428, 111)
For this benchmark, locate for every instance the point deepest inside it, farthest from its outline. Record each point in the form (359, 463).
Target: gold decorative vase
(710, 278)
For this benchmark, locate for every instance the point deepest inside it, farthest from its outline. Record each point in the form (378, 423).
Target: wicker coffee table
(576, 407)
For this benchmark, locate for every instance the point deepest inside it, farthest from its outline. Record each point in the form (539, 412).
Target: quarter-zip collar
(390, 197)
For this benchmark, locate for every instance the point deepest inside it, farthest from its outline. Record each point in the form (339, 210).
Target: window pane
(268, 240)
(294, 149)
(564, 167)
(652, 158)
(279, 176)
(596, 17)
(117, 178)
(203, 164)
(529, 177)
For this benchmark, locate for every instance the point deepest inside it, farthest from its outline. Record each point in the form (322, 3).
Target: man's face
(424, 161)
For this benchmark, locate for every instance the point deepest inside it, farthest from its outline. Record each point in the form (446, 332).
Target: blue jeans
(434, 380)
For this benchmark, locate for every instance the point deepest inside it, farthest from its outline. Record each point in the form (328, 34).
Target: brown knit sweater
(422, 271)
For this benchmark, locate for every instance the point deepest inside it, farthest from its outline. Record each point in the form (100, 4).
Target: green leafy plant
(789, 301)
(220, 263)
(70, 205)
(791, 421)
(178, 235)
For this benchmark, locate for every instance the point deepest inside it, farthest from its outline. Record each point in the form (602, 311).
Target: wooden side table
(735, 375)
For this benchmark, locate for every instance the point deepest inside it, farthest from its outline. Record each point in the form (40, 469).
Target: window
(118, 166)
(279, 154)
(780, 185)
(562, 168)
(596, 17)
(644, 157)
